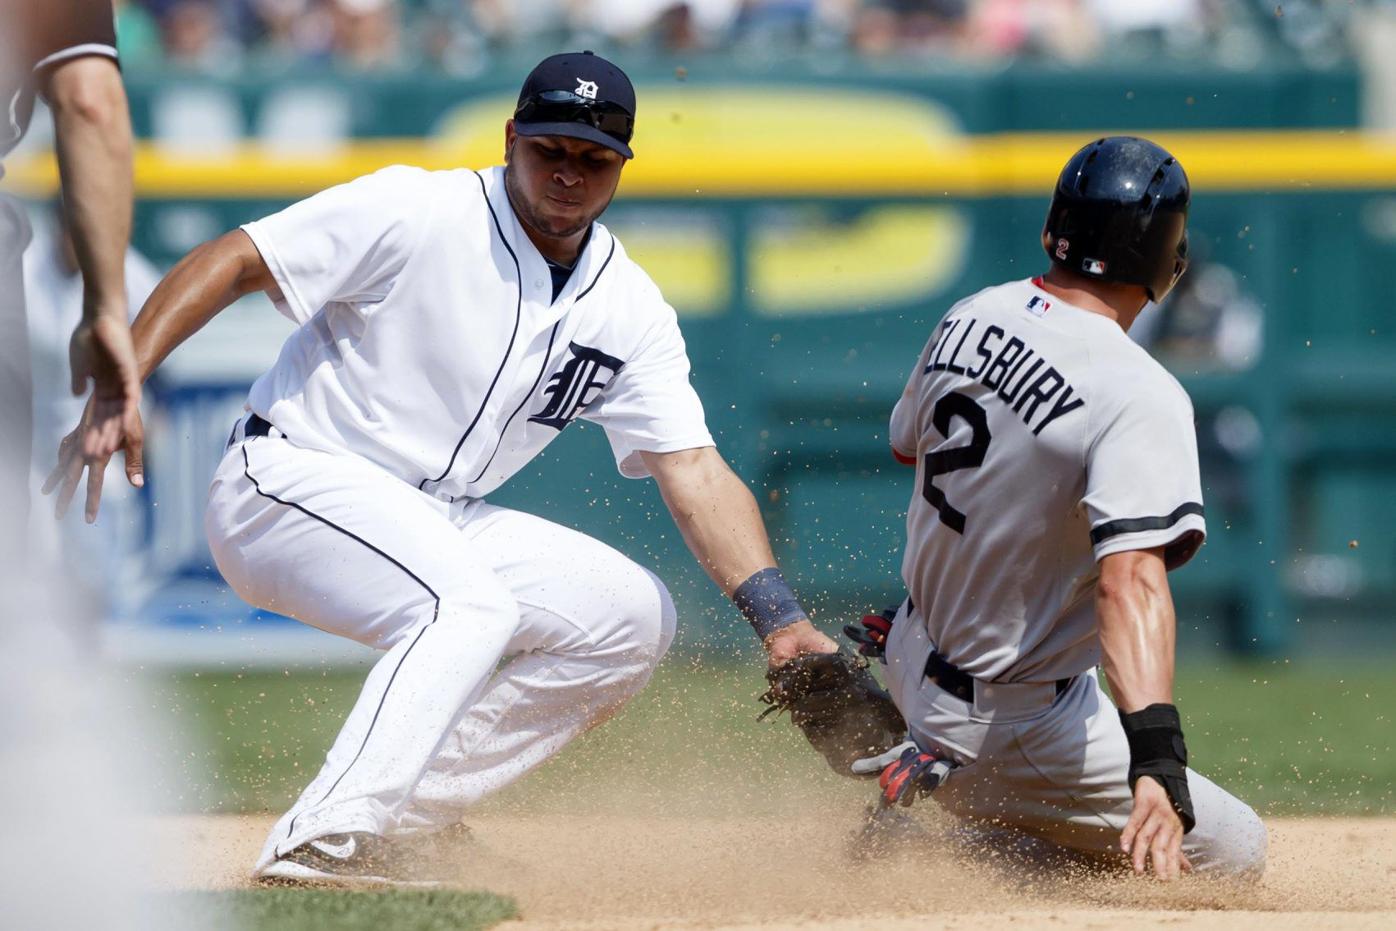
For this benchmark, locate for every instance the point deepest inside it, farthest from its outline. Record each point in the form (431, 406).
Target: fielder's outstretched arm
(721, 524)
(202, 284)
(1137, 629)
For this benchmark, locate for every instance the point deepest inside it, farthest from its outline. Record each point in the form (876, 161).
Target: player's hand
(799, 637)
(913, 774)
(101, 351)
(73, 459)
(1154, 833)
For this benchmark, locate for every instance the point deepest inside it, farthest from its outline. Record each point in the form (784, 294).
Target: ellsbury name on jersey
(1017, 373)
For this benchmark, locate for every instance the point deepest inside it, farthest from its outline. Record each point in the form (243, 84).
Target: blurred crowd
(462, 36)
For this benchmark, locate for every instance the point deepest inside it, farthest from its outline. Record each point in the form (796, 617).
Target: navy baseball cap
(578, 94)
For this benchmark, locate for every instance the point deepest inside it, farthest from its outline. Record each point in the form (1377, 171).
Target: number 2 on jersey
(955, 458)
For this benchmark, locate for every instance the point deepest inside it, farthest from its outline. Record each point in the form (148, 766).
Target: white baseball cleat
(354, 859)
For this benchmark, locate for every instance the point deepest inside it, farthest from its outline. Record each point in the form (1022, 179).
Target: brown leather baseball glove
(834, 699)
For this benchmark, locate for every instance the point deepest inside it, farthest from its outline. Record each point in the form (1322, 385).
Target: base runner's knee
(1239, 849)
(1249, 845)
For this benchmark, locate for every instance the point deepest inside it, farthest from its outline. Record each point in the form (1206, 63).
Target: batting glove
(907, 773)
(871, 636)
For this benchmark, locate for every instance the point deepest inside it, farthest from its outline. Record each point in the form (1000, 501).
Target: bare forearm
(722, 525)
(201, 285)
(93, 133)
(1137, 629)
(720, 522)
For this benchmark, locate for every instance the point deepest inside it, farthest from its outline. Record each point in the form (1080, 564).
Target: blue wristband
(767, 602)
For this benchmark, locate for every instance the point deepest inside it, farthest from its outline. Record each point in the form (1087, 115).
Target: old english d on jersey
(1044, 439)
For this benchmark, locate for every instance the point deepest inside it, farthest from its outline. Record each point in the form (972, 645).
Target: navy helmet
(1119, 213)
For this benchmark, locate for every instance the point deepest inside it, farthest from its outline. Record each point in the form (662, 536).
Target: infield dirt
(657, 870)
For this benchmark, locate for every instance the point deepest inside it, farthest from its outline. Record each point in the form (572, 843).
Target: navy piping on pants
(436, 611)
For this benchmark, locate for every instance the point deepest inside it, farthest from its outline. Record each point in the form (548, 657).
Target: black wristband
(767, 602)
(1156, 749)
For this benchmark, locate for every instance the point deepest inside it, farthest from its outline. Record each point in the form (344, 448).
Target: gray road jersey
(1043, 440)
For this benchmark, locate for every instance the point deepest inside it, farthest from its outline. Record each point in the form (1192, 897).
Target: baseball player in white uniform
(1056, 483)
(451, 325)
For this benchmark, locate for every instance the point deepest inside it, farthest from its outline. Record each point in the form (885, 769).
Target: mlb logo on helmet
(1093, 266)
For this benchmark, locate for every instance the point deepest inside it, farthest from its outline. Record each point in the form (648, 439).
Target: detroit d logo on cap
(587, 89)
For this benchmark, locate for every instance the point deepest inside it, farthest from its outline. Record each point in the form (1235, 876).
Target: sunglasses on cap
(567, 107)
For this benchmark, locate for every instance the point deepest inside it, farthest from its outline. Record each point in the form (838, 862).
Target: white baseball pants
(448, 591)
(1051, 768)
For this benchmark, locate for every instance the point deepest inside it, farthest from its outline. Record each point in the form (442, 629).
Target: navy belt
(959, 683)
(256, 426)
(951, 678)
(252, 426)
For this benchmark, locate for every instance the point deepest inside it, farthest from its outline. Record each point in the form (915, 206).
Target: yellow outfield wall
(846, 164)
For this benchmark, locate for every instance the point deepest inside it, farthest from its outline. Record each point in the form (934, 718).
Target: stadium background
(816, 182)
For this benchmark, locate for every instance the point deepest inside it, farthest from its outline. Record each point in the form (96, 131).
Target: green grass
(1290, 739)
(1296, 739)
(334, 910)
(246, 742)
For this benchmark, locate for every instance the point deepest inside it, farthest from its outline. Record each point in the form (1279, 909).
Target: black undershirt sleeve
(39, 34)
(79, 26)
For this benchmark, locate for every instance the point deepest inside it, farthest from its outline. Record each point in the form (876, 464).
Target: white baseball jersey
(1044, 440)
(430, 343)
